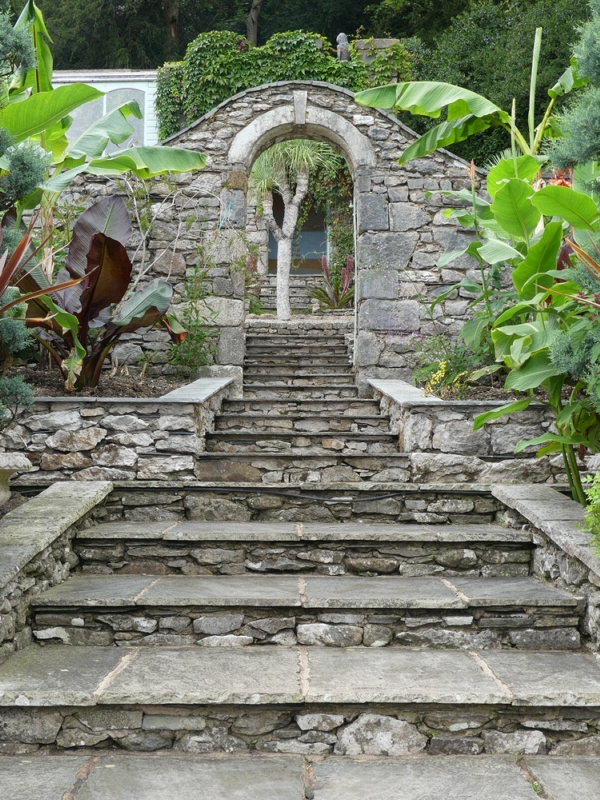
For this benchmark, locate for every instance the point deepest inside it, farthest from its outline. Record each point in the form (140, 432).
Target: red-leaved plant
(337, 292)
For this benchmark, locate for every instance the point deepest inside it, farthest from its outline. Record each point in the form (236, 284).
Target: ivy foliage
(218, 64)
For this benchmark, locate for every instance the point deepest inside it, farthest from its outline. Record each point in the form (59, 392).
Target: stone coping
(110, 776)
(188, 531)
(557, 516)
(32, 527)
(408, 396)
(364, 487)
(255, 675)
(198, 391)
(307, 592)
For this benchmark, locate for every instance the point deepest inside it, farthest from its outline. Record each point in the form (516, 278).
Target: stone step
(250, 422)
(303, 379)
(110, 776)
(280, 339)
(346, 407)
(276, 441)
(301, 390)
(377, 701)
(301, 468)
(468, 613)
(337, 348)
(326, 548)
(286, 360)
(294, 371)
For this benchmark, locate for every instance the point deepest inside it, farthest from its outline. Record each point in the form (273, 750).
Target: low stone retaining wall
(523, 628)
(311, 729)
(89, 438)
(563, 552)
(303, 502)
(36, 553)
(439, 435)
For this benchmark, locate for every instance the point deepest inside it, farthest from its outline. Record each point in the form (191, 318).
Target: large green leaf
(513, 208)
(39, 78)
(112, 127)
(40, 111)
(532, 374)
(495, 250)
(68, 322)
(472, 331)
(540, 259)
(525, 167)
(569, 80)
(144, 307)
(577, 209)
(146, 162)
(444, 135)
(509, 408)
(428, 98)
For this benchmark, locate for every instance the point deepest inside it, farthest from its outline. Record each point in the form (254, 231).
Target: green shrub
(198, 347)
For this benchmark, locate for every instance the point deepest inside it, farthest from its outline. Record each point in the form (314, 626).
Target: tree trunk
(171, 17)
(252, 21)
(284, 236)
(284, 263)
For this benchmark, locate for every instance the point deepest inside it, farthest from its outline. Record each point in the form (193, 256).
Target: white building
(120, 86)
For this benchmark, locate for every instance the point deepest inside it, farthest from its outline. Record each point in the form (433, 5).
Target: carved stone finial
(343, 48)
(9, 464)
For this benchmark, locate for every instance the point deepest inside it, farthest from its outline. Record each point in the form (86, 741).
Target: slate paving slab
(547, 679)
(512, 592)
(366, 675)
(408, 532)
(34, 778)
(95, 590)
(567, 778)
(233, 532)
(201, 675)
(459, 778)
(53, 676)
(350, 592)
(396, 592)
(135, 530)
(225, 590)
(147, 777)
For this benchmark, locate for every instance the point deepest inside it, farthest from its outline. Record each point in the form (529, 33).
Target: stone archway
(400, 231)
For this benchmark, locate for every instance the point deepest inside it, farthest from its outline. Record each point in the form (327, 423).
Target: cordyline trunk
(284, 236)
(252, 21)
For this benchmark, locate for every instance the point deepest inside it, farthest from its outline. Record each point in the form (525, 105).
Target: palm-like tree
(286, 168)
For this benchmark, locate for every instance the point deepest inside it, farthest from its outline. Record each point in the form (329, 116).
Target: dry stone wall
(36, 553)
(92, 439)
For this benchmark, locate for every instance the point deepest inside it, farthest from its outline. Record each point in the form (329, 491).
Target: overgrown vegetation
(592, 508)
(198, 347)
(218, 64)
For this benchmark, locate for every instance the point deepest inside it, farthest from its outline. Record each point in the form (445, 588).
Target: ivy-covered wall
(219, 64)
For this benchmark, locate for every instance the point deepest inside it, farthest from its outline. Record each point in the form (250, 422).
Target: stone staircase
(300, 287)
(302, 659)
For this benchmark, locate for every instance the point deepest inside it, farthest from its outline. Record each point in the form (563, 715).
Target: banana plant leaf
(108, 274)
(144, 307)
(428, 98)
(39, 111)
(112, 127)
(148, 162)
(39, 78)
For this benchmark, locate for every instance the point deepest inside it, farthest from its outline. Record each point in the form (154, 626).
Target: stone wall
(91, 438)
(36, 553)
(564, 553)
(310, 729)
(439, 434)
